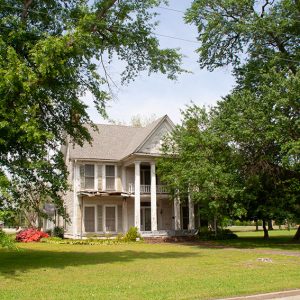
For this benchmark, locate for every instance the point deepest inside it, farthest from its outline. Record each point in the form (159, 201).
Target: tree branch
(102, 13)
(106, 8)
(24, 14)
(263, 8)
(297, 3)
(280, 45)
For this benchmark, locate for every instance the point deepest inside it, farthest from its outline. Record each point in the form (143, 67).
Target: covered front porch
(112, 215)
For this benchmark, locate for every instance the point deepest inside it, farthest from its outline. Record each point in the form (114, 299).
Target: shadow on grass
(13, 264)
(275, 243)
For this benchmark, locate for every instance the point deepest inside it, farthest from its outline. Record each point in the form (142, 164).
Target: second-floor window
(110, 176)
(98, 177)
(87, 176)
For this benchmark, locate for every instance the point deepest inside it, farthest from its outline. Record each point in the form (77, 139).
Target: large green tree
(198, 161)
(231, 32)
(52, 53)
(263, 125)
(260, 40)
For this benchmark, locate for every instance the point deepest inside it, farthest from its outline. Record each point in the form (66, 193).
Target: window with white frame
(87, 177)
(89, 219)
(110, 176)
(110, 219)
(102, 218)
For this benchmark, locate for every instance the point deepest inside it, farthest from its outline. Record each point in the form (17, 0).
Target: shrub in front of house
(132, 235)
(30, 235)
(6, 241)
(221, 234)
(58, 232)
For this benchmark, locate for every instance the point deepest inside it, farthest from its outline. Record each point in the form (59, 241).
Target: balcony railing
(146, 189)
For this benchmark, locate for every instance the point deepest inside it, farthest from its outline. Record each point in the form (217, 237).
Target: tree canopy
(52, 53)
(254, 131)
(196, 162)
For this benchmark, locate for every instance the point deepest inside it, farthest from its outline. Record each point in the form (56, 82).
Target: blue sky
(157, 94)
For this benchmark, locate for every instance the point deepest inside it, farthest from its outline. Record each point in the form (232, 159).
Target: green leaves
(203, 164)
(50, 53)
(231, 32)
(6, 241)
(259, 119)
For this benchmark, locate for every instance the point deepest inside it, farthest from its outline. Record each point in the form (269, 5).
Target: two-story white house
(115, 186)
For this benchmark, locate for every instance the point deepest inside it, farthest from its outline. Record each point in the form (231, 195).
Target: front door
(185, 217)
(145, 218)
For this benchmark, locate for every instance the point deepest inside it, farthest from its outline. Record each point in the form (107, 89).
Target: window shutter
(81, 171)
(99, 218)
(100, 187)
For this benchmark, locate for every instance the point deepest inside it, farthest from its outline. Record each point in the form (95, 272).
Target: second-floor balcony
(146, 189)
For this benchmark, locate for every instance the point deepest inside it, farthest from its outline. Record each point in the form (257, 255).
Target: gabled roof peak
(116, 142)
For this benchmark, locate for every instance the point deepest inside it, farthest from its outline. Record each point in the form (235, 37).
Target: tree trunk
(266, 233)
(270, 225)
(256, 225)
(297, 235)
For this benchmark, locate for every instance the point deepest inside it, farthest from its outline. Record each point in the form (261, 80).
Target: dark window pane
(110, 171)
(110, 183)
(89, 170)
(110, 218)
(89, 182)
(89, 219)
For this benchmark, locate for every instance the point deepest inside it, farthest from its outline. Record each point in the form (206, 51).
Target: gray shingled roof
(113, 142)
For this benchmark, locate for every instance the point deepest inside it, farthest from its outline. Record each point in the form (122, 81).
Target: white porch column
(191, 213)
(124, 187)
(153, 199)
(137, 195)
(104, 178)
(125, 215)
(177, 213)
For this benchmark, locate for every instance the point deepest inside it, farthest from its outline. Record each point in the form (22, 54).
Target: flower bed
(30, 235)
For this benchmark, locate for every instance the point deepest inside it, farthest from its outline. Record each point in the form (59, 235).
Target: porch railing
(146, 188)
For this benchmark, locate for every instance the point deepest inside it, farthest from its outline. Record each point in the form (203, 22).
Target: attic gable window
(87, 177)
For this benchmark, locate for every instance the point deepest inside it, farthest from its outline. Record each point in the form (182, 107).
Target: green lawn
(279, 239)
(150, 271)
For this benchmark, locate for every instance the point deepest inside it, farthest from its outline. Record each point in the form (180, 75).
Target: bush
(49, 232)
(30, 235)
(120, 237)
(222, 234)
(6, 241)
(132, 235)
(58, 232)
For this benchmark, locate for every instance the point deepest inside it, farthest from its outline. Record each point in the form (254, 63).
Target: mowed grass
(279, 240)
(149, 271)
